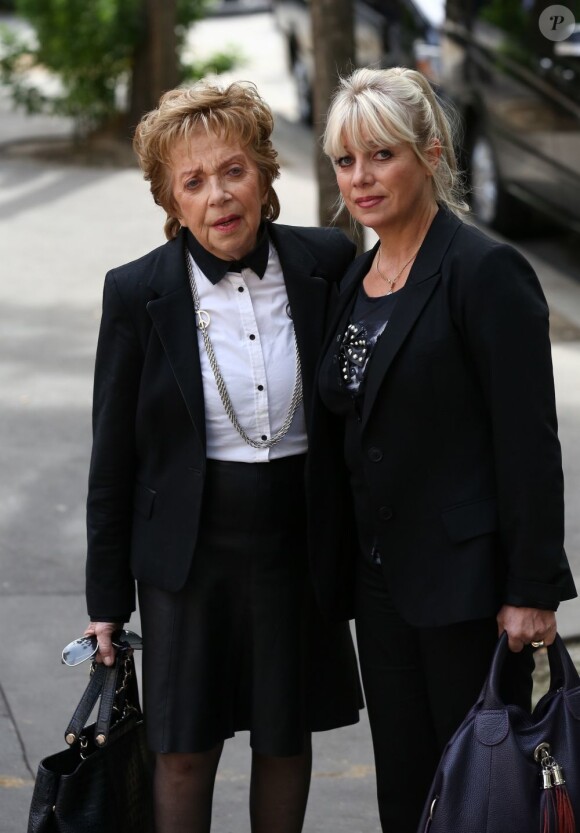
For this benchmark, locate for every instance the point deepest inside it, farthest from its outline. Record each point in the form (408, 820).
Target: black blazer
(148, 460)
(457, 439)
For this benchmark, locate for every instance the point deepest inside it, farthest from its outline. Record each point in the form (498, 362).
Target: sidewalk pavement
(61, 227)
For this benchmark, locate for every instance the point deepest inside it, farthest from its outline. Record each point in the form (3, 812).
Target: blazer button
(385, 513)
(375, 454)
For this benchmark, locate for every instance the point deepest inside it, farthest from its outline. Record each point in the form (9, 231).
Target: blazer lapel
(348, 289)
(174, 320)
(421, 283)
(307, 296)
(406, 311)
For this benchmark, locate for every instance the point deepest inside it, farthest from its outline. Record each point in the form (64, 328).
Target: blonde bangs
(364, 124)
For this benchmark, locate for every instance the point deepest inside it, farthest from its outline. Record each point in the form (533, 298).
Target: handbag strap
(108, 692)
(563, 673)
(116, 685)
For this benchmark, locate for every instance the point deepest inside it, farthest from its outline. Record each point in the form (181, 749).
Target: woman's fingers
(103, 631)
(525, 625)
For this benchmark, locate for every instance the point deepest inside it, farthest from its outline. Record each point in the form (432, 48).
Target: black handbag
(102, 782)
(508, 771)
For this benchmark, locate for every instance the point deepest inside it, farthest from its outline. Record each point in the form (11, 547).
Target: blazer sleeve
(503, 316)
(110, 586)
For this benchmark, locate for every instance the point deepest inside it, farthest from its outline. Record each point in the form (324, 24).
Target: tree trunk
(334, 55)
(156, 64)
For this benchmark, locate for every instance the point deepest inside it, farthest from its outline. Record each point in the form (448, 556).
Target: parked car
(387, 33)
(519, 96)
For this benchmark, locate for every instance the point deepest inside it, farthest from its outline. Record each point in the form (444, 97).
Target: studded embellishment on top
(353, 350)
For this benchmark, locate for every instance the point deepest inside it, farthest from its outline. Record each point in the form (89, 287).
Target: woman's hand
(525, 625)
(103, 631)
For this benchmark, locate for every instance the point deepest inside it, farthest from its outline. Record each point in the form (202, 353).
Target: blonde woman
(437, 379)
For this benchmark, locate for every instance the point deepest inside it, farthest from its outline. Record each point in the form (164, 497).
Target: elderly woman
(203, 386)
(438, 378)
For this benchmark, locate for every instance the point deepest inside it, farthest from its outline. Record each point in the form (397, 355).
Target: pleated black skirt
(242, 646)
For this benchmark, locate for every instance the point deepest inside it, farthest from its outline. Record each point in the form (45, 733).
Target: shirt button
(260, 387)
(240, 288)
(252, 337)
(385, 513)
(375, 454)
(264, 437)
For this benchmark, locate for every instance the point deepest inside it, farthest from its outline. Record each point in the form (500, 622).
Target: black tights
(184, 783)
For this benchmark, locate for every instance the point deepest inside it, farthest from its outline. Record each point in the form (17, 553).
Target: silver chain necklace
(203, 322)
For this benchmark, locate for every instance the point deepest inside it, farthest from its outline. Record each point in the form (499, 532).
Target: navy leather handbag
(508, 771)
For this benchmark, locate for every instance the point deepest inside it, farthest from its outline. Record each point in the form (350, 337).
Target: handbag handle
(107, 704)
(86, 704)
(116, 686)
(563, 673)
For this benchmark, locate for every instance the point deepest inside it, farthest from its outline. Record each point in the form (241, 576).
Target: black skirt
(243, 645)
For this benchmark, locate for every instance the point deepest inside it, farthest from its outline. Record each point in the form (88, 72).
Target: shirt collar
(214, 268)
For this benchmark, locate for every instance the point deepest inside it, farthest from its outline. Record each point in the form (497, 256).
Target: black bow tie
(214, 268)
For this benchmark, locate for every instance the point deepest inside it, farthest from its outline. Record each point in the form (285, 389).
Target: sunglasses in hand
(87, 646)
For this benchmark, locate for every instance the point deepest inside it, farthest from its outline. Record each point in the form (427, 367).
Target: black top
(343, 391)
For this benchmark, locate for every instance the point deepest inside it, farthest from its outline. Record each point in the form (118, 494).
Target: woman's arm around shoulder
(333, 249)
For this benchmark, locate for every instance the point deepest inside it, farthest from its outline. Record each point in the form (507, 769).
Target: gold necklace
(392, 281)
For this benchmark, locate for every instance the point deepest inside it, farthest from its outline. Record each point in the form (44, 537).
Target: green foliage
(15, 62)
(508, 15)
(89, 45)
(219, 62)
